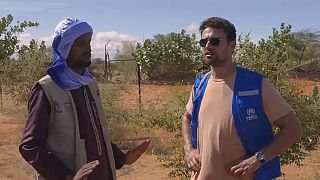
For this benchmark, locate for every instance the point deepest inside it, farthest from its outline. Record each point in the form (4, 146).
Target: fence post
(106, 60)
(139, 84)
(1, 96)
(109, 73)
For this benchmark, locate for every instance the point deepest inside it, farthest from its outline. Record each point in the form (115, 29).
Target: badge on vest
(249, 93)
(62, 106)
(251, 114)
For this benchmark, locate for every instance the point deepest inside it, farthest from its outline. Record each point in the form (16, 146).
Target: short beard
(81, 65)
(85, 64)
(214, 63)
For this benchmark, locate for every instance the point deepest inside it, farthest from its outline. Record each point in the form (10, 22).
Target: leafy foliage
(23, 72)
(8, 35)
(8, 46)
(165, 56)
(116, 117)
(168, 117)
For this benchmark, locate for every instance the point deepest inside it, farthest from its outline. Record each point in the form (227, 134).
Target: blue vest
(251, 122)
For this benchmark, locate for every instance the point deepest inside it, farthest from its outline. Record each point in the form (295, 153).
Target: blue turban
(66, 32)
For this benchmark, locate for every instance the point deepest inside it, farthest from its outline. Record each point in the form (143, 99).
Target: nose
(88, 48)
(208, 45)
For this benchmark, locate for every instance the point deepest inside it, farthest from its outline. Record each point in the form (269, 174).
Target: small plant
(169, 117)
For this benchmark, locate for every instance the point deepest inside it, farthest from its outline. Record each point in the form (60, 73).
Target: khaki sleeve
(190, 104)
(274, 104)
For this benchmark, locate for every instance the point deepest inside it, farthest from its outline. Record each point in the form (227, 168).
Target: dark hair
(219, 23)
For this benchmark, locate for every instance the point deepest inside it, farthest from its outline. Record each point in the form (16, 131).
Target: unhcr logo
(251, 114)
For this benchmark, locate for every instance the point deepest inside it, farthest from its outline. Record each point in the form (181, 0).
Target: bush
(169, 117)
(21, 74)
(165, 55)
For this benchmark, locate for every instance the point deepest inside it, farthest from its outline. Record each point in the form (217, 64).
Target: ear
(233, 44)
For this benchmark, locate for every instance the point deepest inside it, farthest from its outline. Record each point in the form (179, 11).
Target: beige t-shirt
(218, 141)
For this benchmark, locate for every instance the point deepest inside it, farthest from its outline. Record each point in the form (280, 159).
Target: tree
(167, 55)
(126, 62)
(8, 35)
(127, 51)
(9, 42)
(22, 73)
(305, 51)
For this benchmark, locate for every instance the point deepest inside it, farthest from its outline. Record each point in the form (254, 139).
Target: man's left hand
(244, 167)
(135, 153)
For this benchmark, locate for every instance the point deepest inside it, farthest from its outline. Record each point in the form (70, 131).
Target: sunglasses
(213, 41)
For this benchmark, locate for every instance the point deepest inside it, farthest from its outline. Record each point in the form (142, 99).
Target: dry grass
(12, 166)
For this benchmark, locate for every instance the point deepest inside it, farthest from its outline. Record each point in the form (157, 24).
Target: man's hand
(85, 170)
(193, 160)
(135, 153)
(243, 167)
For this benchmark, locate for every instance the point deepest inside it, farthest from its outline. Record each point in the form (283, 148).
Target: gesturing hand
(135, 153)
(193, 160)
(85, 170)
(244, 167)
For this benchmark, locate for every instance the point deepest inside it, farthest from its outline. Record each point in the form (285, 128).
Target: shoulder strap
(199, 88)
(202, 79)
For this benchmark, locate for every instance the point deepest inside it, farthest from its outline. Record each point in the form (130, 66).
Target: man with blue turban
(65, 135)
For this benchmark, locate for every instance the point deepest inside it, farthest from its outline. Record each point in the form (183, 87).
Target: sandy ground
(12, 117)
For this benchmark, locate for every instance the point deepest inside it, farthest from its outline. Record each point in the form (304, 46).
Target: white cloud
(101, 38)
(48, 40)
(192, 28)
(98, 42)
(24, 38)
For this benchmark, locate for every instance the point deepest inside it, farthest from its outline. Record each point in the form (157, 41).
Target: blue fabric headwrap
(66, 32)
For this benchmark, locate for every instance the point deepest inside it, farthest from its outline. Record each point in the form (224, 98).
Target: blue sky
(135, 20)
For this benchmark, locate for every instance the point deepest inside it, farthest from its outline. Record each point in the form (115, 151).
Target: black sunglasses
(213, 41)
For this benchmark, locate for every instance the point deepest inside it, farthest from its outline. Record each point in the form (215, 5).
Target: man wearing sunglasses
(227, 126)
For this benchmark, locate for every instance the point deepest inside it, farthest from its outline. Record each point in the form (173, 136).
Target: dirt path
(310, 169)
(145, 168)
(12, 165)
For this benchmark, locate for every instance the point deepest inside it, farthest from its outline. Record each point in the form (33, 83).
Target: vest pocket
(64, 120)
(61, 137)
(61, 140)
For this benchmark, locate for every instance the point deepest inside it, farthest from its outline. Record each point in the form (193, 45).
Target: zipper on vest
(95, 129)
